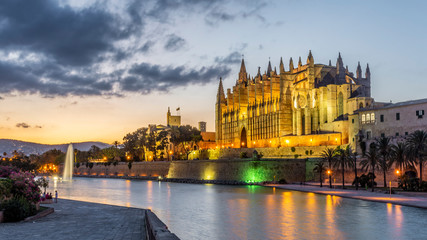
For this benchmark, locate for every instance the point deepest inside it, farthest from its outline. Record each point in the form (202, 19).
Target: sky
(73, 70)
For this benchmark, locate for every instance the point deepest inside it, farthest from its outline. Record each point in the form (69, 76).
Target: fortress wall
(142, 169)
(292, 170)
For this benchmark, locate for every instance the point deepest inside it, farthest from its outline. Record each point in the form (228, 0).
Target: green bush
(17, 209)
(293, 149)
(5, 188)
(306, 152)
(296, 156)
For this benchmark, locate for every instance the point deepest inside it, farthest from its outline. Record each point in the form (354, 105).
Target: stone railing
(156, 229)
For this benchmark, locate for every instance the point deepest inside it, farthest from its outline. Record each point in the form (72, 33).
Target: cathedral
(304, 105)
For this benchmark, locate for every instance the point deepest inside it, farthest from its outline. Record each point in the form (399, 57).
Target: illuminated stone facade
(307, 105)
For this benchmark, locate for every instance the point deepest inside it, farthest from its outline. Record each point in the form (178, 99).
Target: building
(301, 106)
(394, 120)
(172, 120)
(202, 126)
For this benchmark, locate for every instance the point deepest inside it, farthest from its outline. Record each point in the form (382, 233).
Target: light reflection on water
(195, 211)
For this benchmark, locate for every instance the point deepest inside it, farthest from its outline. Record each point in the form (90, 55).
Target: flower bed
(19, 194)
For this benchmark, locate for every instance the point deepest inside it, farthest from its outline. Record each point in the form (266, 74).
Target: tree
(319, 168)
(384, 147)
(400, 156)
(116, 143)
(329, 155)
(134, 143)
(418, 145)
(95, 152)
(343, 161)
(186, 138)
(370, 163)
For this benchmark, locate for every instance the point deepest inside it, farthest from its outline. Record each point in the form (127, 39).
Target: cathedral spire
(340, 66)
(358, 71)
(242, 74)
(291, 65)
(299, 62)
(368, 72)
(282, 67)
(310, 58)
(275, 72)
(269, 70)
(220, 97)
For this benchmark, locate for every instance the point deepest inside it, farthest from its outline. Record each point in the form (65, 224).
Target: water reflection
(252, 212)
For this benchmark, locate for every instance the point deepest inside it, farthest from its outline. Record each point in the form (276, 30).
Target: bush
(306, 152)
(24, 185)
(293, 149)
(296, 156)
(5, 188)
(243, 155)
(17, 209)
(365, 180)
(282, 181)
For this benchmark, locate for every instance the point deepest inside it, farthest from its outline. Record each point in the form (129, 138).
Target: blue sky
(96, 70)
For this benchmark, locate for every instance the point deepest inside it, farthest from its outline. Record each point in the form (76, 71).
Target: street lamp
(330, 178)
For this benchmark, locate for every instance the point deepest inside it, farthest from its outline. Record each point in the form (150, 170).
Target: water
(196, 211)
(69, 164)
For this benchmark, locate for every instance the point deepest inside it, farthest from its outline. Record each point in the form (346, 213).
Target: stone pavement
(413, 201)
(80, 220)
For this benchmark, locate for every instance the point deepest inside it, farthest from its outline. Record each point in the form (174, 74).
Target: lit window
(368, 118)
(363, 118)
(372, 117)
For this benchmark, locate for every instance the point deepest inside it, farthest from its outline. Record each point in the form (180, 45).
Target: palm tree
(329, 155)
(370, 163)
(400, 156)
(352, 157)
(343, 161)
(384, 148)
(418, 144)
(319, 167)
(116, 143)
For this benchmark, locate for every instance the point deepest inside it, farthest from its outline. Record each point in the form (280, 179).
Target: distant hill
(9, 145)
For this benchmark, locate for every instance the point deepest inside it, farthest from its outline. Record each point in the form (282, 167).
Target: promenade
(416, 200)
(80, 220)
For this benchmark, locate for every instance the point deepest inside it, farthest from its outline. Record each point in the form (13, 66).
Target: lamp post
(330, 178)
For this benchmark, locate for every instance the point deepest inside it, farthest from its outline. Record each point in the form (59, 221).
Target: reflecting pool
(206, 211)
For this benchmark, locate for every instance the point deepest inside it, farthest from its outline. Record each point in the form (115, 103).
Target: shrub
(243, 155)
(5, 188)
(306, 152)
(24, 185)
(296, 156)
(43, 182)
(17, 209)
(282, 181)
(293, 149)
(365, 180)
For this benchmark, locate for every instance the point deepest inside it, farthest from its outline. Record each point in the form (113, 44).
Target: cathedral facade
(307, 105)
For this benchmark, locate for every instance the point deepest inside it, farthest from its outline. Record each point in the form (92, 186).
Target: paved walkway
(80, 220)
(418, 201)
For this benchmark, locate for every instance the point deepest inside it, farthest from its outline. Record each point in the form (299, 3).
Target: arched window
(360, 105)
(363, 118)
(368, 118)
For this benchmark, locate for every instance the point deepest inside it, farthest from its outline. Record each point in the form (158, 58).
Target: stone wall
(292, 170)
(141, 169)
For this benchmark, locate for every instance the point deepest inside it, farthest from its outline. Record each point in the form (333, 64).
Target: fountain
(69, 164)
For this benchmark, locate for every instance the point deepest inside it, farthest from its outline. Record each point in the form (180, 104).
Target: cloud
(145, 77)
(22, 125)
(174, 43)
(232, 58)
(95, 50)
(70, 37)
